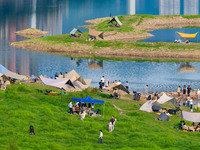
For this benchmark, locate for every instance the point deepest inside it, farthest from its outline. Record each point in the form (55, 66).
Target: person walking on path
(70, 107)
(179, 91)
(101, 137)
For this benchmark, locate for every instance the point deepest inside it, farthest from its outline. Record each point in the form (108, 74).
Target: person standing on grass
(191, 104)
(188, 90)
(70, 107)
(179, 91)
(112, 120)
(1, 84)
(101, 137)
(4, 85)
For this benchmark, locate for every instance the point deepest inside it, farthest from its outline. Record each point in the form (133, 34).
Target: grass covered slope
(121, 42)
(22, 106)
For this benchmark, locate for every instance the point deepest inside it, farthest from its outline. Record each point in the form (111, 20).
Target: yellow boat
(187, 36)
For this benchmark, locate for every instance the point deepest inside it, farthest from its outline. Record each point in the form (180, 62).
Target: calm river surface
(61, 16)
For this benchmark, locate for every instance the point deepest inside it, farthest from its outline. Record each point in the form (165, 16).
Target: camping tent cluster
(163, 99)
(72, 82)
(5, 72)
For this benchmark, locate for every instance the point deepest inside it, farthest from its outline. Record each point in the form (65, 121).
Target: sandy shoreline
(149, 51)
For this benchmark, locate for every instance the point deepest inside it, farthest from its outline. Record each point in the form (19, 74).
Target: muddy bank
(77, 49)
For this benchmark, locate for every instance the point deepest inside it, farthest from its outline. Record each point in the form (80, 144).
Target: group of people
(111, 128)
(186, 90)
(2, 85)
(192, 127)
(60, 75)
(81, 108)
(102, 83)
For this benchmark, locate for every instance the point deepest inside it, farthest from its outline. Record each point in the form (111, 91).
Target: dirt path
(118, 109)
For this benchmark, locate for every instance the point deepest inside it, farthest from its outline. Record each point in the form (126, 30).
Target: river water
(61, 16)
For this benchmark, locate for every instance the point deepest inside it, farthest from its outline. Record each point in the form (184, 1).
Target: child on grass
(101, 137)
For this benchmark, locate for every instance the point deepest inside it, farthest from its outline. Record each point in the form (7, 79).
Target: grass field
(25, 105)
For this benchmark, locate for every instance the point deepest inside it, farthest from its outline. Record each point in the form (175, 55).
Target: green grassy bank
(25, 105)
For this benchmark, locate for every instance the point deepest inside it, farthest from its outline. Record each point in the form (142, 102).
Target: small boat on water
(187, 36)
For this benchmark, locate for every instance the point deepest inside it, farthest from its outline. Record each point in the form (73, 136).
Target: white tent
(166, 99)
(147, 106)
(15, 76)
(56, 83)
(193, 117)
(10, 74)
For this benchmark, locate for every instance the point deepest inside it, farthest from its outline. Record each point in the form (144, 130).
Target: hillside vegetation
(25, 105)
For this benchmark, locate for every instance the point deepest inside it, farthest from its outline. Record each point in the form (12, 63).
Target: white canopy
(164, 99)
(193, 117)
(53, 82)
(147, 106)
(15, 76)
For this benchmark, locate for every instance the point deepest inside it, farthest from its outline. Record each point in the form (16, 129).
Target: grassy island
(25, 105)
(121, 42)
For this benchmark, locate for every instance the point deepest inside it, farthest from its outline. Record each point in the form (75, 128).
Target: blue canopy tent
(89, 100)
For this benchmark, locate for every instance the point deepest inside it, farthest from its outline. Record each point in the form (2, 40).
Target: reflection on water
(186, 67)
(95, 64)
(61, 16)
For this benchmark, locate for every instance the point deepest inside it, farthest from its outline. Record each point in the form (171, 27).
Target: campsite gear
(89, 100)
(187, 36)
(32, 130)
(163, 117)
(156, 108)
(136, 96)
(117, 22)
(172, 111)
(73, 33)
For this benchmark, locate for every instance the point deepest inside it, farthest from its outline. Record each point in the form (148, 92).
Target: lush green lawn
(22, 106)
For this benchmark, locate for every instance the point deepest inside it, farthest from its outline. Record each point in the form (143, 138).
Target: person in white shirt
(70, 107)
(101, 137)
(83, 115)
(103, 80)
(191, 104)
